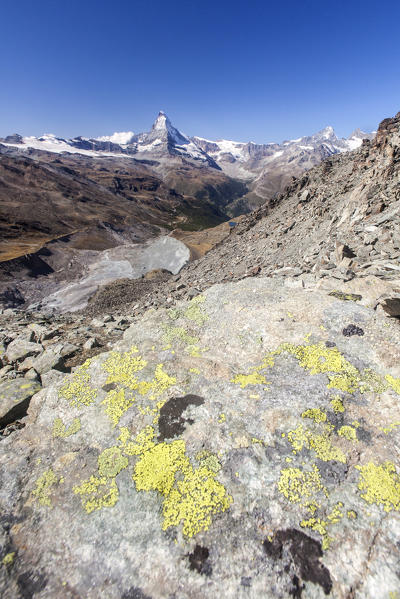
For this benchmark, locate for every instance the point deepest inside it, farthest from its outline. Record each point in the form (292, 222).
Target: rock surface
(14, 399)
(237, 445)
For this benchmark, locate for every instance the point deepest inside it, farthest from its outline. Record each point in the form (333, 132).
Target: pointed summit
(164, 131)
(162, 122)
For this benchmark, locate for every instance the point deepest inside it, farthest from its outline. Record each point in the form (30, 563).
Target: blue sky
(248, 70)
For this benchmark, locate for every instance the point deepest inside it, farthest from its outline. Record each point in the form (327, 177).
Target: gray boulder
(20, 348)
(237, 445)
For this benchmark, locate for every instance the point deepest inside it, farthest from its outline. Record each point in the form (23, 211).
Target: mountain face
(103, 201)
(268, 168)
(337, 223)
(264, 168)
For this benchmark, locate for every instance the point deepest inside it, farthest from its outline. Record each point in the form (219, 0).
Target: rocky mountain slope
(103, 198)
(338, 221)
(237, 434)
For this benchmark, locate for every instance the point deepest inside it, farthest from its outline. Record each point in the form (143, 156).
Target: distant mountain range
(127, 186)
(265, 168)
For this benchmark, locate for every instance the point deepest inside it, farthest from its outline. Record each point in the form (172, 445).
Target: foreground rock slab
(243, 444)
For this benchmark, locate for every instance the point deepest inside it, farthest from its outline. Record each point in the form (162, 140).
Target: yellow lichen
(320, 443)
(371, 381)
(349, 297)
(111, 462)
(96, 498)
(296, 484)
(44, 485)
(195, 351)
(255, 440)
(157, 467)
(195, 311)
(8, 559)
(77, 389)
(117, 404)
(191, 500)
(319, 359)
(311, 506)
(348, 432)
(255, 378)
(268, 360)
(172, 334)
(221, 418)
(209, 460)
(194, 500)
(143, 442)
(337, 404)
(321, 526)
(380, 484)
(315, 414)
(122, 367)
(194, 370)
(60, 430)
(393, 383)
(161, 382)
(351, 514)
(102, 491)
(391, 427)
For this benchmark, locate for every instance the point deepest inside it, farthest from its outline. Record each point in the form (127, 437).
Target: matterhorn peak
(164, 130)
(162, 121)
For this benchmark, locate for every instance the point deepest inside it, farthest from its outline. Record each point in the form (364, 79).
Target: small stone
(90, 343)
(5, 370)
(97, 323)
(31, 375)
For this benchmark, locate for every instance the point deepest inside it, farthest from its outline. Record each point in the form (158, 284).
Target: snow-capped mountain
(268, 168)
(265, 168)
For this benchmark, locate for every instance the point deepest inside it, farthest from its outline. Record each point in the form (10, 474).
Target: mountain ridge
(266, 168)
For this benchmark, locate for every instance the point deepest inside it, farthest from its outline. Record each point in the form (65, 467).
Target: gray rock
(5, 370)
(90, 343)
(97, 323)
(15, 396)
(215, 452)
(20, 348)
(52, 357)
(51, 377)
(391, 305)
(31, 374)
(42, 333)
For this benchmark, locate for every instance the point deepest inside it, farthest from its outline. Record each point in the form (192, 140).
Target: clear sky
(245, 70)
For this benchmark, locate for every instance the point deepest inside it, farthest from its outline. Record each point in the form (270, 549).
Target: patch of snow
(50, 143)
(353, 143)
